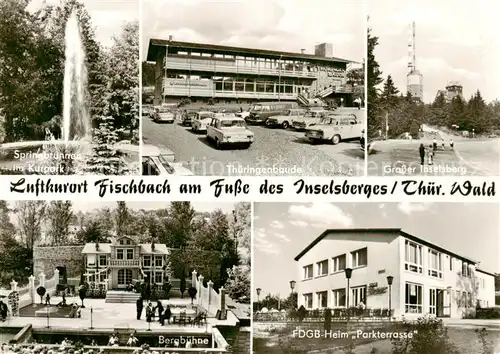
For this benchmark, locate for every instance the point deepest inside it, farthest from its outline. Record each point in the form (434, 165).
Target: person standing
(3, 310)
(421, 150)
(47, 299)
(167, 314)
(159, 307)
(451, 143)
(430, 155)
(139, 306)
(149, 312)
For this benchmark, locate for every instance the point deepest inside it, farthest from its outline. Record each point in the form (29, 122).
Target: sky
(107, 16)
(284, 25)
(455, 41)
(283, 230)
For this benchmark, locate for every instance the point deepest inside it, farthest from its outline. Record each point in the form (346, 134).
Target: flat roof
(398, 231)
(159, 44)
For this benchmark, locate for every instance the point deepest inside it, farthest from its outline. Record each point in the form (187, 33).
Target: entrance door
(440, 303)
(124, 277)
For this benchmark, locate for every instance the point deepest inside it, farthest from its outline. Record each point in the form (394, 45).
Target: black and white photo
(117, 277)
(376, 278)
(433, 103)
(69, 94)
(253, 87)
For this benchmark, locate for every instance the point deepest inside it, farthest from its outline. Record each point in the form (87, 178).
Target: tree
(356, 77)
(167, 286)
(60, 215)
(30, 215)
(241, 225)
(168, 272)
(177, 228)
(29, 63)
(301, 313)
(41, 292)
(327, 325)
(148, 74)
(106, 158)
(374, 76)
(122, 218)
(182, 285)
(123, 96)
(239, 283)
(82, 292)
(389, 97)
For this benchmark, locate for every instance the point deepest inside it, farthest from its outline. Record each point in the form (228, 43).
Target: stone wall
(47, 259)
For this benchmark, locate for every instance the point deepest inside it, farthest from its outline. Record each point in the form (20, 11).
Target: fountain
(76, 120)
(76, 123)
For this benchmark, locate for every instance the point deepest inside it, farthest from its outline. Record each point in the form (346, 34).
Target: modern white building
(427, 279)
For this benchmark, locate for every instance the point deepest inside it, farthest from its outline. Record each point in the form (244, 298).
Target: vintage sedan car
(285, 119)
(336, 128)
(160, 162)
(201, 120)
(186, 117)
(229, 130)
(309, 118)
(164, 115)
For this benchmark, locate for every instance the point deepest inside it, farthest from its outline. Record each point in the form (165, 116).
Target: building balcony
(125, 263)
(232, 67)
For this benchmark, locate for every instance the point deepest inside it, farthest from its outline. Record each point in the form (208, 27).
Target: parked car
(336, 128)
(160, 162)
(311, 117)
(243, 114)
(229, 130)
(286, 118)
(259, 112)
(201, 120)
(146, 111)
(164, 115)
(187, 117)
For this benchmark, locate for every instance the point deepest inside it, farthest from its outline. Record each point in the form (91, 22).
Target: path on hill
(471, 157)
(283, 149)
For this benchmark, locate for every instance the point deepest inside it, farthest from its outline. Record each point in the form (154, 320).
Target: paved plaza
(113, 315)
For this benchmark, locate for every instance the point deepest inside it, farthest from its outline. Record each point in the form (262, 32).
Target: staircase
(122, 297)
(303, 101)
(326, 92)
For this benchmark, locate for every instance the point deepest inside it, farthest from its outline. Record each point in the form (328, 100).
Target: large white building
(427, 279)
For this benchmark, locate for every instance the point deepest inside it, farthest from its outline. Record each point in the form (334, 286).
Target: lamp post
(390, 279)
(91, 317)
(48, 316)
(348, 273)
(292, 287)
(258, 300)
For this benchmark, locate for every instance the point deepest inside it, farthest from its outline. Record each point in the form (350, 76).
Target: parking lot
(274, 152)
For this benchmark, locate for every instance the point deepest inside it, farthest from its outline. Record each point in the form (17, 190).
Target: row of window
(124, 276)
(279, 64)
(338, 298)
(414, 261)
(147, 261)
(438, 299)
(358, 258)
(253, 87)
